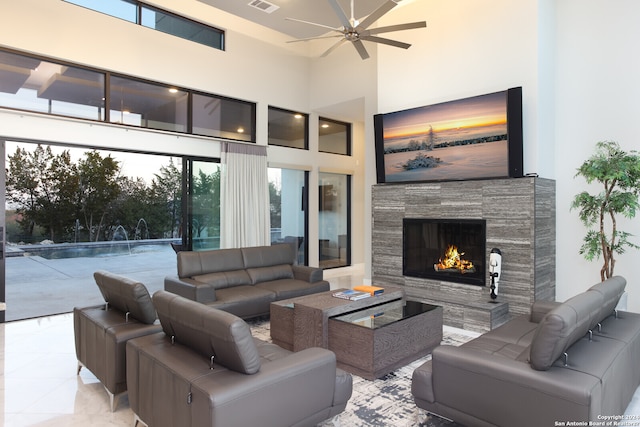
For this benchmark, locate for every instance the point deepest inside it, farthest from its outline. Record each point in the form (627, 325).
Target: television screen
(471, 138)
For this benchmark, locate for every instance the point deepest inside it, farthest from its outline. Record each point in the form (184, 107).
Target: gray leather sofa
(572, 361)
(244, 281)
(205, 369)
(101, 332)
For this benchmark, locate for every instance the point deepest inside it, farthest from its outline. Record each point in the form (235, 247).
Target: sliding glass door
(287, 195)
(334, 220)
(202, 210)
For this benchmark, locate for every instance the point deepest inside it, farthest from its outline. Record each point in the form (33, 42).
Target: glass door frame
(348, 227)
(3, 185)
(187, 200)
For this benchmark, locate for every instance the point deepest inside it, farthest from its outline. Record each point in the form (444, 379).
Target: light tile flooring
(39, 385)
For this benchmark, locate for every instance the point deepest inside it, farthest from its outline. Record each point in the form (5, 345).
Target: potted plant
(618, 172)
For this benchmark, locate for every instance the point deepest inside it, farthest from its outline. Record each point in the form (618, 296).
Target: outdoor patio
(36, 286)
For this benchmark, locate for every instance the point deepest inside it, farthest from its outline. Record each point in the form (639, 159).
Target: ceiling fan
(355, 31)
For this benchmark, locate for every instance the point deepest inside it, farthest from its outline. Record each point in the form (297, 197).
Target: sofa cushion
(224, 279)
(208, 331)
(193, 263)
(267, 256)
(562, 327)
(245, 301)
(267, 274)
(611, 291)
(126, 295)
(291, 288)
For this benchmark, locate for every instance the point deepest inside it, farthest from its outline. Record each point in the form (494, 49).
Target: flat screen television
(471, 138)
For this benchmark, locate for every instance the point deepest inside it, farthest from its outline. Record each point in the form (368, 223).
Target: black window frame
(293, 113)
(348, 132)
(107, 99)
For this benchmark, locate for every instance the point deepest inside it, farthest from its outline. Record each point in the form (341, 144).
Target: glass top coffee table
(370, 337)
(374, 341)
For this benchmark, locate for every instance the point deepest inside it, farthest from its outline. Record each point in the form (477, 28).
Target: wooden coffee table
(374, 341)
(370, 337)
(303, 322)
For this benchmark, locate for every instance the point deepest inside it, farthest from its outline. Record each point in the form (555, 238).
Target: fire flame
(453, 260)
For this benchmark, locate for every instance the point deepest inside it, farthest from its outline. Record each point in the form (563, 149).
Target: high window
(157, 19)
(288, 128)
(334, 137)
(149, 105)
(35, 84)
(223, 117)
(32, 84)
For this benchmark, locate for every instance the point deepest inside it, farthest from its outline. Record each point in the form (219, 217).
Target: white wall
(468, 48)
(597, 92)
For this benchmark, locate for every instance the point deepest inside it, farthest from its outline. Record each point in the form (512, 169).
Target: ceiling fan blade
(313, 23)
(361, 49)
(398, 27)
(334, 47)
(315, 38)
(376, 14)
(386, 41)
(340, 13)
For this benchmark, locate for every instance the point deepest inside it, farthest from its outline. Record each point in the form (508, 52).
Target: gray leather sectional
(573, 361)
(205, 369)
(244, 281)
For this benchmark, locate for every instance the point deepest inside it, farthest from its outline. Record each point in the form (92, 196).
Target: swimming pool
(95, 250)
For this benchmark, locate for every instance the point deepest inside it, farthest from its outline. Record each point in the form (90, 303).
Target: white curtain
(244, 196)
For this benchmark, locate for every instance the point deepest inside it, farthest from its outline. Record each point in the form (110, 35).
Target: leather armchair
(205, 369)
(102, 331)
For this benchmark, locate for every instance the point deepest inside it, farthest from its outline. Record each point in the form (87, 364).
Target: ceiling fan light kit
(355, 31)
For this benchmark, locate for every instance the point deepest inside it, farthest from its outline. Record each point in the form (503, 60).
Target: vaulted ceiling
(272, 13)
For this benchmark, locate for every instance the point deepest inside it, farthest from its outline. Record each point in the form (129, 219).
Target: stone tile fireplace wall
(520, 221)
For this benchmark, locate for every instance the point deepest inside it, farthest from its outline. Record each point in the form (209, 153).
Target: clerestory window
(157, 19)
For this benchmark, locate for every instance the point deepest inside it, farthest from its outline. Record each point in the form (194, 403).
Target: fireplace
(445, 250)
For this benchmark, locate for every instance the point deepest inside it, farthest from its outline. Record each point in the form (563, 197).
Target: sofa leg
(113, 402)
(79, 367)
(136, 420)
(114, 399)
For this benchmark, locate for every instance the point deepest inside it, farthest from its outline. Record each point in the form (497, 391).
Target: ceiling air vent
(264, 6)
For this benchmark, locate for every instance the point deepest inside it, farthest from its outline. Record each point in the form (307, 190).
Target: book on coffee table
(373, 290)
(351, 294)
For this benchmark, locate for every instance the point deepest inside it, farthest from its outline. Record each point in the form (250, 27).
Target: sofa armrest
(539, 309)
(308, 274)
(191, 289)
(494, 387)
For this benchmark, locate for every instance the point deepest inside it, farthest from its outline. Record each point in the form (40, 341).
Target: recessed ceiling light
(325, 125)
(240, 130)
(298, 116)
(173, 90)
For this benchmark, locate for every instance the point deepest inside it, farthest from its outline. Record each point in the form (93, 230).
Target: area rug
(386, 401)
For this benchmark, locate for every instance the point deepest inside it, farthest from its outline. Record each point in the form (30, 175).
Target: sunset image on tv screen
(462, 139)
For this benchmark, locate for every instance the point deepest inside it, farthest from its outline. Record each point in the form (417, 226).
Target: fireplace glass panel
(445, 250)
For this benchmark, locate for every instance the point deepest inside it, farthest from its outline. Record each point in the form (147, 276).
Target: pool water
(82, 251)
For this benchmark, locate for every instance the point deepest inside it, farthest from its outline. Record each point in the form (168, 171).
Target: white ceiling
(317, 11)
